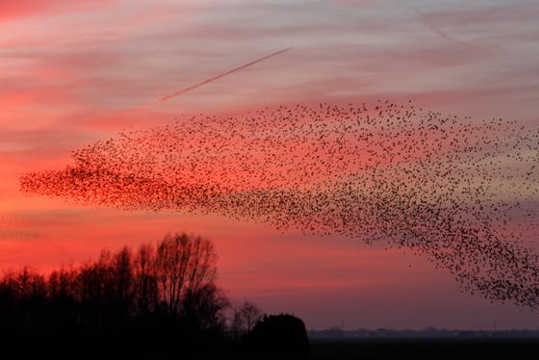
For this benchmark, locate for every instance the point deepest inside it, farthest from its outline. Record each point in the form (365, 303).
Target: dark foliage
(164, 296)
(153, 302)
(280, 333)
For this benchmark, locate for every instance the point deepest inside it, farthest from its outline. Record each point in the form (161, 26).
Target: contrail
(192, 87)
(437, 30)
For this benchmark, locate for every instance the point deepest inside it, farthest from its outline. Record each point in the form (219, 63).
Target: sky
(75, 71)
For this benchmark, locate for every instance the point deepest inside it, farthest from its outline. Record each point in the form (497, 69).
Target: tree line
(172, 284)
(162, 294)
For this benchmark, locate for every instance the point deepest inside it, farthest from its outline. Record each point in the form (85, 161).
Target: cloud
(13, 10)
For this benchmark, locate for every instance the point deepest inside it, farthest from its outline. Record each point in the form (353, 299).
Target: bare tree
(165, 287)
(183, 264)
(122, 265)
(204, 305)
(245, 318)
(146, 287)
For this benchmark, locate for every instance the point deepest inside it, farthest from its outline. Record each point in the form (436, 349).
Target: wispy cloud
(13, 10)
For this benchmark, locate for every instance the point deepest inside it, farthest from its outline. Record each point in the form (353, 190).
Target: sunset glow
(76, 73)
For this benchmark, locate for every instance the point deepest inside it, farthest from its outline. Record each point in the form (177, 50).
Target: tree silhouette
(244, 319)
(183, 265)
(164, 287)
(160, 298)
(280, 333)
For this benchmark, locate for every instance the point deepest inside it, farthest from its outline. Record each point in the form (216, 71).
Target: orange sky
(74, 71)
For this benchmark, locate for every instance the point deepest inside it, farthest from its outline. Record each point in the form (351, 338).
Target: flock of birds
(461, 192)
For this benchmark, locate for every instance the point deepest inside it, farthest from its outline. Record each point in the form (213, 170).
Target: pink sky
(74, 71)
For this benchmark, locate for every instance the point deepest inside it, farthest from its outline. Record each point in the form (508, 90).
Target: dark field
(424, 349)
(153, 349)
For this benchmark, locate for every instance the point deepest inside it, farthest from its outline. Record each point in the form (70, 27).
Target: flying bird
(393, 174)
